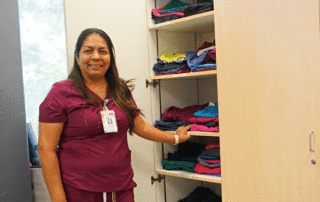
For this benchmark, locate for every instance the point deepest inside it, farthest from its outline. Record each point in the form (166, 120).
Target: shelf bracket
(153, 83)
(159, 179)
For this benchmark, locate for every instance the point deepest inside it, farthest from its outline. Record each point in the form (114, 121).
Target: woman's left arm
(149, 132)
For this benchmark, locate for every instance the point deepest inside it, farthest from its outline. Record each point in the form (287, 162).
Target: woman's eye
(87, 51)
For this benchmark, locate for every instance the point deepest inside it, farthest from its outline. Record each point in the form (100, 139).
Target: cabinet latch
(159, 178)
(153, 83)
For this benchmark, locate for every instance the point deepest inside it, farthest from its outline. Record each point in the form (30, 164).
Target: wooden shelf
(188, 175)
(189, 75)
(198, 133)
(206, 134)
(203, 22)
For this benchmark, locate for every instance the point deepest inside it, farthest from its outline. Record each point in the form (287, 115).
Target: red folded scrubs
(181, 114)
(199, 168)
(89, 159)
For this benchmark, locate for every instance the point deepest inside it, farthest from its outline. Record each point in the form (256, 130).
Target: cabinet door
(15, 180)
(268, 83)
(125, 23)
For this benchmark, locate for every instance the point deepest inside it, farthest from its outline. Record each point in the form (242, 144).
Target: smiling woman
(94, 59)
(87, 118)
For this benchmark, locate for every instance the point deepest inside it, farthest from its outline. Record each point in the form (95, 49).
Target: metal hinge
(159, 178)
(153, 83)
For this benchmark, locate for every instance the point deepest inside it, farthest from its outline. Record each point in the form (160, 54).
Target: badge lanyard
(108, 119)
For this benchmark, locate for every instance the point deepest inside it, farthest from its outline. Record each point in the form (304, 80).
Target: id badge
(109, 121)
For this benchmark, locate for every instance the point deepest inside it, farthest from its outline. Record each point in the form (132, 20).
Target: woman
(83, 156)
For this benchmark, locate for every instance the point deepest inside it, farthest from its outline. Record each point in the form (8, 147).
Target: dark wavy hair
(119, 89)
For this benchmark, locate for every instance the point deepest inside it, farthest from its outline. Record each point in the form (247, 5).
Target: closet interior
(198, 87)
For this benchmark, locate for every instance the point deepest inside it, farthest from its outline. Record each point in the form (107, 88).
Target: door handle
(311, 138)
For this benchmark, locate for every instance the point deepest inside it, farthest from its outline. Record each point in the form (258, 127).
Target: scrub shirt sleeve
(51, 110)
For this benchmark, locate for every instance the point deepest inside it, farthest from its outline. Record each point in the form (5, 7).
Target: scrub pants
(77, 195)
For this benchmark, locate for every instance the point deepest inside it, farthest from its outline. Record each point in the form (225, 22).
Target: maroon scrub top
(89, 159)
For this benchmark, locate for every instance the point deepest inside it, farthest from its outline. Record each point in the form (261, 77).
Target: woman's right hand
(182, 132)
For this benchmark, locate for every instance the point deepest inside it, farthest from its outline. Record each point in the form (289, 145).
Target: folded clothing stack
(202, 194)
(169, 63)
(178, 9)
(203, 118)
(195, 157)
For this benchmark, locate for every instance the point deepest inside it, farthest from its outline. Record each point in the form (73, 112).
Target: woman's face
(94, 57)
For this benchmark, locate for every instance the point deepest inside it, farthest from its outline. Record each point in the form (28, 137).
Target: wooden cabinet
(268, 76)
(181, 90)
(266, 83)
(267, 86)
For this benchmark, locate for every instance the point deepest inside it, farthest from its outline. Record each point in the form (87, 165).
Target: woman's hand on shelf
(182, 132)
